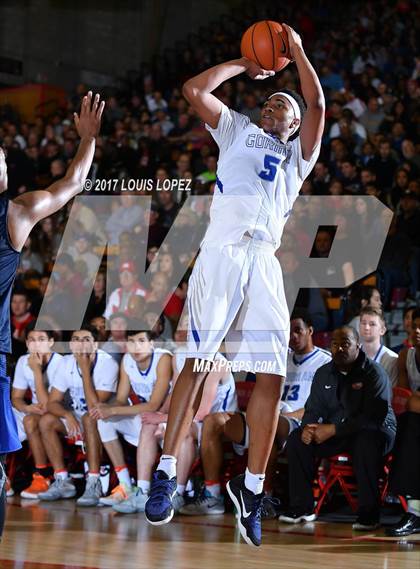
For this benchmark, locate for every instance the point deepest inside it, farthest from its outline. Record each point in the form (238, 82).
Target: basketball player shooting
(17, 218)
(260, 172)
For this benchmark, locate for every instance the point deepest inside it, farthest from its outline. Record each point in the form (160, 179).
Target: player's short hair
(40, 325)
(372, 311)
(407, 310)
(302, 107)
(137, 327)
(89, 328)
(416, 314)
(302, 314)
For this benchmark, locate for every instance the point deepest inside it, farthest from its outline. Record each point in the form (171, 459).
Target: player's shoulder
(390, 353)
(23, 360)
(323, 354)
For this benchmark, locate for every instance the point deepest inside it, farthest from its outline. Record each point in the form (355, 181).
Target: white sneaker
(9, 490)
(92, 493)
(135, 502)
(60, 489)
(118, 494)
(178, 502)
(204, 505)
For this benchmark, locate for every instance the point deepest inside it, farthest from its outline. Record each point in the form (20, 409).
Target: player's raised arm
(26, 210)
(313, 121)
(198, 90)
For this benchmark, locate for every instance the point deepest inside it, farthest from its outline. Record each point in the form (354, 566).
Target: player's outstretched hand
(295, 41)
(256, 72)
(88, 122)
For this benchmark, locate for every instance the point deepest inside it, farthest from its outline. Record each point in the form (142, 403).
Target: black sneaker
(297, 516)
(408, 524)
(366, 522)
(248, 506)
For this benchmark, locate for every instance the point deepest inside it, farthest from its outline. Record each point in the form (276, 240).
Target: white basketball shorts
(236, 294)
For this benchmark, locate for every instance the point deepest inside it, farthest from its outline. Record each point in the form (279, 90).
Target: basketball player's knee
(31, 424)
(89, 424)
(47, 423)
(213, 424)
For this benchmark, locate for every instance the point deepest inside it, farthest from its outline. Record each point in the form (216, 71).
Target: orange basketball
(266, 43)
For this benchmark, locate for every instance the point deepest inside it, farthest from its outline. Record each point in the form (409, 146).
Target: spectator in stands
(350, 177)
(99, 323)
(124, 218)
(372, 329)
(117, 340)
(373, 116)
(97, 301)
(384, 166)
(168, 208)
(21, 315)
(90, 376)
(408, 358)
(85, 261)
(348, 410)
(119, 298)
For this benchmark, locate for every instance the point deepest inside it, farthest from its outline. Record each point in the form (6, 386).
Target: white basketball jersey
(24, 376)
(300, 373)
(143, 382)
(388, 359)
(413, 370)
(68, 377)
(258, 180)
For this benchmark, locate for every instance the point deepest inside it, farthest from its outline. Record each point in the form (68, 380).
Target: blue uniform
(9, 261)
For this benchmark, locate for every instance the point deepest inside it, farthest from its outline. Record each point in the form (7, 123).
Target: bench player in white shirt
(236, 288)
(34, 372)
(147, 371)
(409, 362)
(219, 393)
(302, 362)
(90, 376)
(372, 328)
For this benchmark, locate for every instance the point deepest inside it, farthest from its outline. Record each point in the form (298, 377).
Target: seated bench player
(219, 394)
(302, 362)
(147, 371)
(372, 328)
(90, 376)
(32, 379)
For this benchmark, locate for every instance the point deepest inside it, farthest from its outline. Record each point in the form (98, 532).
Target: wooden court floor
(59, 536)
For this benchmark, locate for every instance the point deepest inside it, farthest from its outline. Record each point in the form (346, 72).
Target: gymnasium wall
(64, 42)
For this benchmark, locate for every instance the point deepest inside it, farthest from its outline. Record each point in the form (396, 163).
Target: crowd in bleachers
(370, 71)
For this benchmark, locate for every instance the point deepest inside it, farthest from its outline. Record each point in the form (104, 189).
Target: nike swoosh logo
(327, 386)
(283, 45)
(245, 513)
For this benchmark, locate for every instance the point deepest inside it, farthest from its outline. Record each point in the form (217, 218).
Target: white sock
(144, 486)
(180, 489)
(213, 489)
(124, 477)
(414, 507)
(63, 474)
(254, 482)
(93, 474)
(167, 463)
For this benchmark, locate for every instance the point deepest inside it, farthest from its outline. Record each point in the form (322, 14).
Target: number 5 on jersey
(270, 168)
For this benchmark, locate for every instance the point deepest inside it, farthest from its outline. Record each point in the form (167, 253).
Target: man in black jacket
(348, 410)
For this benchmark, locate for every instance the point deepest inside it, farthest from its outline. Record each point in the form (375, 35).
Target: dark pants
(405, 471)
(2, 491)
(366, 448)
